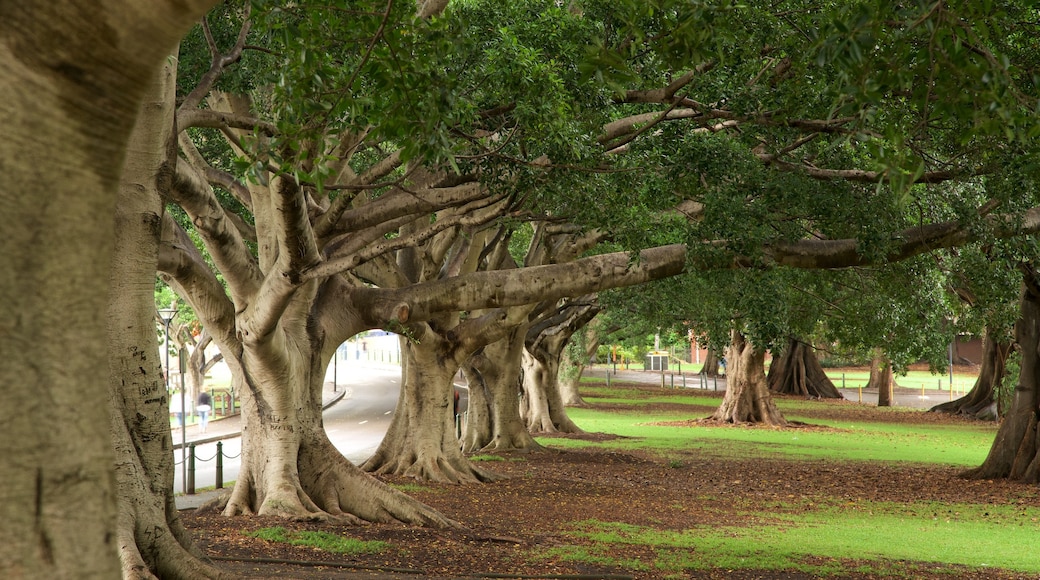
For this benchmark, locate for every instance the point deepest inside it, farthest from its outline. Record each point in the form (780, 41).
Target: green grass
(913, 380)
(413, 487)
(881, 533)
(850, 441)
(320, 540)
(819, 536)
(947, 444)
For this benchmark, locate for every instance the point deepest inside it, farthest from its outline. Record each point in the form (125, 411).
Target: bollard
(716, 380)
(191, 469)
(860, 393)
(662, 379)
(683, 380)
(843, 380)
(671, 380)
(220, 465)
(608, 378)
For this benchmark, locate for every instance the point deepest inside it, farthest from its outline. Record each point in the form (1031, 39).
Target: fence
(382, 356)
(192, 458)
(668, 380)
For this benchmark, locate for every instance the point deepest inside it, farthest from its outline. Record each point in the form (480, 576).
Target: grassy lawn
(845, 440)
(887, 539)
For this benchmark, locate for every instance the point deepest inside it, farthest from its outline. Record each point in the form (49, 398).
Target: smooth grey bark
(421, 441)
(496, 373)
(152, 541)
(476, 428)
(543, 405)
(73, 76)
(711, 367)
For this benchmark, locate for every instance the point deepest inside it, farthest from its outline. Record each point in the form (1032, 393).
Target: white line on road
(362, 423)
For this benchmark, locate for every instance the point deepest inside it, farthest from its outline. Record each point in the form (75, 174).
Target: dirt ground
(507, 523)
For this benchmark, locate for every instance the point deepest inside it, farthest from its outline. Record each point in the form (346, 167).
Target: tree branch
(514, 287)
(218, 63)
(223, 241)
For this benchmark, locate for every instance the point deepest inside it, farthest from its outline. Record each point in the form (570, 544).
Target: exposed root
(436, 470)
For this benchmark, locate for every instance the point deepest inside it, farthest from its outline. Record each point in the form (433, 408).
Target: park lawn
(659, 421)
(886, 538)
(840, 441)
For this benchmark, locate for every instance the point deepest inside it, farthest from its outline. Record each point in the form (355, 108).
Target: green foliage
(1005, 391)
(889, 90)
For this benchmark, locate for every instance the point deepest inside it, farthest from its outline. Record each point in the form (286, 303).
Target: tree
(898, 117)
(578, 353)
(340, 201)
(493, 421)
(543, 402)
(980, 402)
(747, 397)
(69, 95)
(986, 285)
(881, 378)
(1014, 451)
(797, 371)
(152, 542)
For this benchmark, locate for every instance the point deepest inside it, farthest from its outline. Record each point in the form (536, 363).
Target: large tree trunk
(711, 367)
(881, 379)
(1014, 451)
(980, 402)
(70, 87)
(421, 440)
(152, 542)
(542, 406)
(573, 359)
(497, 369)
(476, 432)
(571, 369)
(289, 466)
(747, 398)
(797, 371)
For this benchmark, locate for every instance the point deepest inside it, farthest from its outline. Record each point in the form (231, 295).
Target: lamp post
(182, 358)
(167, 315)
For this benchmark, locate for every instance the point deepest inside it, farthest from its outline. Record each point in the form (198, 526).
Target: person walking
(203, 409)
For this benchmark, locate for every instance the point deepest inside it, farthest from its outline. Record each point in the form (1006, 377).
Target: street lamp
(167, 315)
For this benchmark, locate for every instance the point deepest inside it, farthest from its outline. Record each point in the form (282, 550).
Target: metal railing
(192, 458)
